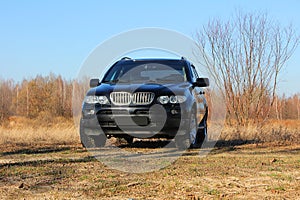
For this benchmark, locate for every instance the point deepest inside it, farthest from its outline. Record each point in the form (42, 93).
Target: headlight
(96, 99)
(103, 100)
(172, 99)
(163, 99)
(181, 99)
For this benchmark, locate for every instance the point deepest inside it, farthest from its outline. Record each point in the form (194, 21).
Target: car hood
(106, 89)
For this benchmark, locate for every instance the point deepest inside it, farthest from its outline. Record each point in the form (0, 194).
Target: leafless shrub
(244, 57)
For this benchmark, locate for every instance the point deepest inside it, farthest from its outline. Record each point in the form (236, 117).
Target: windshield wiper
(117, 81)
(152, 82)
(166, 80)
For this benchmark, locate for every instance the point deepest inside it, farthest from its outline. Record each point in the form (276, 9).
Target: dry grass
(62, 131)
(281, 132)
(32, 132)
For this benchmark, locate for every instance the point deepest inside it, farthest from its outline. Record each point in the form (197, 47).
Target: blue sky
(39, 37)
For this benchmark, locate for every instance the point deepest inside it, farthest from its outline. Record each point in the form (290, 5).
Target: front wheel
(91, 141)
(202, 132)
(201, 135)
(129, 139)
(190, 138)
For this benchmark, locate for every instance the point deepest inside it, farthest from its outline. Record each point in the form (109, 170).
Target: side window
(194, 72)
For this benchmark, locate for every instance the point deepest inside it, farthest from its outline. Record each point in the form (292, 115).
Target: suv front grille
(125, 98)
(120, 98)
(142, 98)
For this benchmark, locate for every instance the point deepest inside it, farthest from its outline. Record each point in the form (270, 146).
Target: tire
(190, 138)
(201, 136)
(99, 140)
(202, 133)
(86, 141)
(129, 139)
(91, 141)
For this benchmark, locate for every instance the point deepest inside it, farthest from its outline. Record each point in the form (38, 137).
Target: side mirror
(202, 82)
(94, 82)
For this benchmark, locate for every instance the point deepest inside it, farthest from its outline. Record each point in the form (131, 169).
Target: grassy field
(49, 163)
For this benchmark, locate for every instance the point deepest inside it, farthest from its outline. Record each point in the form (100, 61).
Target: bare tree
(6, 93)
(278, 107)
(244, 57)
(298, 106)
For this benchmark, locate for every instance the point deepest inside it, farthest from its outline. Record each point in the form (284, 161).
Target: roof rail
(126, 58)
(183, 58)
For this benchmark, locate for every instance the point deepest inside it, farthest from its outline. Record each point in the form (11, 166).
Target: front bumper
(162, 121)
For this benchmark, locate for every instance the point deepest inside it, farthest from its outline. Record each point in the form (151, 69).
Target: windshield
(146, 73)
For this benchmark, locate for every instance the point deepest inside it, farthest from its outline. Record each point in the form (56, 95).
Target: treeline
(286, 107)
(40, 97)
(52, 96)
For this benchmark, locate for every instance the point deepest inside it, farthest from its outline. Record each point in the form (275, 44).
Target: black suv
(146, 98)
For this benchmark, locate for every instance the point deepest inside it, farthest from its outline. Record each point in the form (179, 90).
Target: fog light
(174, 112)
(89, 112)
